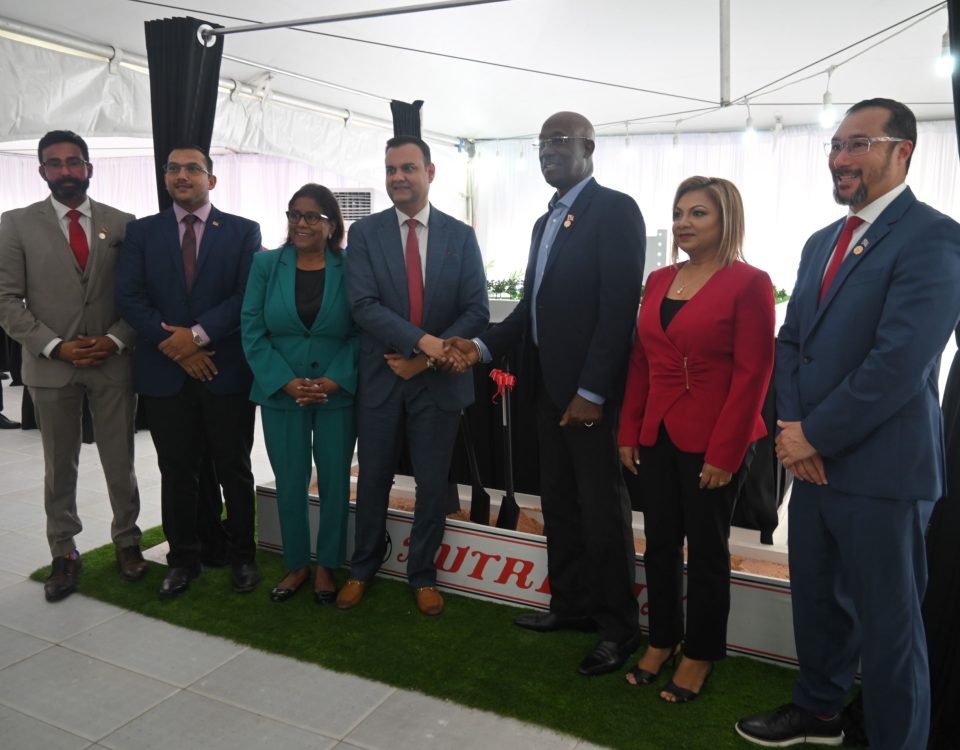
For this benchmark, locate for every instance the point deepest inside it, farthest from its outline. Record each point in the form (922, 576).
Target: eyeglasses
(311, 217)
(74, 163)
(193, 169)
(558, 140)
(857, 146)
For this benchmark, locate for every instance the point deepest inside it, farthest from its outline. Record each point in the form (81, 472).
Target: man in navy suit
(180, 284)
(414, 277)
(858, 357)
(575, 324)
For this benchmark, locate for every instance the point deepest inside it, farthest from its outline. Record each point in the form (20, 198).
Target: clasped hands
(87, 351)
(306, 391)
(798, 455)
(181, 348)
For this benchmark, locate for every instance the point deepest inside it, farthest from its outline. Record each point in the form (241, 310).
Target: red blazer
(706, 377)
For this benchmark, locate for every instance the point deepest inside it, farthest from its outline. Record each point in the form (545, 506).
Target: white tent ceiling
(496, 70)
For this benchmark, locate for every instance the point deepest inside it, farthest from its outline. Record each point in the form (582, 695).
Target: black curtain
(406, 118)
(183, 88)
(941, 607)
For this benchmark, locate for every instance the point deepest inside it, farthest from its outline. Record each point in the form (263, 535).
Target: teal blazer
(279, 347)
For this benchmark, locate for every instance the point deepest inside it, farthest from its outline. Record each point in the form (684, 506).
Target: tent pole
(724, 53)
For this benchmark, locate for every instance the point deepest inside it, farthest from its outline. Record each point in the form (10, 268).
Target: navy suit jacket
(454, 302)
(860, 370)
(151, 289)
(588, 298)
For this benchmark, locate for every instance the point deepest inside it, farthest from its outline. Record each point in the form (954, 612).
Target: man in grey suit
(57, 262)
(414, 277)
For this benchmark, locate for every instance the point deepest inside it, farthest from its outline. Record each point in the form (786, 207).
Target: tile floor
(83, 675)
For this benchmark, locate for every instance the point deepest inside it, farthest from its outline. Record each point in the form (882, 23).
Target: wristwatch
(197, 339)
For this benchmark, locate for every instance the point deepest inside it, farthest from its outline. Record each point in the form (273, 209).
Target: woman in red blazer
(698, 375)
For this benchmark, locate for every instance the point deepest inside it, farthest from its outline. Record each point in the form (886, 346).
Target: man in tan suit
(57, 262)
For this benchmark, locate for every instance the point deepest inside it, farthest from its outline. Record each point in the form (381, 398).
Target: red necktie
(414, 274)
(78, 239)
(840, 253)
(189, 249)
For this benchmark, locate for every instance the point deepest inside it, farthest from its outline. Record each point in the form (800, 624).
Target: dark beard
(857, 198)
(68, 189)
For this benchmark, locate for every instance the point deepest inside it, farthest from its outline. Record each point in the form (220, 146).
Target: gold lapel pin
(858, 250)
(568, 222)
(103, 233)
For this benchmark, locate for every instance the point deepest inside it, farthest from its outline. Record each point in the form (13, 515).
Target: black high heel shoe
(645, 677)
(682, 694)
(281, 593)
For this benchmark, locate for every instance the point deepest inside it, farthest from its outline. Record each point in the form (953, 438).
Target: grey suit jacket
(454, 302)
(38, 266)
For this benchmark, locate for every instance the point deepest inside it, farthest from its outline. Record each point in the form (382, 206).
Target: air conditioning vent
(355, 204)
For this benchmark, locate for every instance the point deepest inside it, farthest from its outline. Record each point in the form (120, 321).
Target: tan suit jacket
(37, 265)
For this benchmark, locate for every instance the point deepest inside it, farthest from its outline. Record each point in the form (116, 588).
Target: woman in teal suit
(301, 343)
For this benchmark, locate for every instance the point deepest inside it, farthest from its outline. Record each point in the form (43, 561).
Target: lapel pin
(215, 223)
(858, 250)
(103, 233)
(568, 222)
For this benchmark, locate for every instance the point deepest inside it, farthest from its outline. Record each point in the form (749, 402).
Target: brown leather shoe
(351, 594)
(63, 577)
(132, 565)
(429, 601)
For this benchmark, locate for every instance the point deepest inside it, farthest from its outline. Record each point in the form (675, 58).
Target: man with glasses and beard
(57, 263)
(857, 363)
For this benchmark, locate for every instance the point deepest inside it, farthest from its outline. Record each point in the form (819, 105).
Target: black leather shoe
(177, 581)
(790, 725)
(132, 565)
(608, 656)
(245, 577)
(325, 597)
(8, 424)
(547, 622)
(62, 581)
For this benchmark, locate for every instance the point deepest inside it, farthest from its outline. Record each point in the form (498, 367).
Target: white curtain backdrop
(783, 177)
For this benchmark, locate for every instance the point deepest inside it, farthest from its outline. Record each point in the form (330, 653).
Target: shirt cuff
(590, 396)
(48, 349)
(198, 331)
(116, 341)
(485, 355)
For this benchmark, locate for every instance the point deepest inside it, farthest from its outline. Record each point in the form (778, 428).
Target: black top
(668, 309)
(309, 294)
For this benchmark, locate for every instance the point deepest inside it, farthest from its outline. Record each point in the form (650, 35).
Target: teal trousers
(292, 435)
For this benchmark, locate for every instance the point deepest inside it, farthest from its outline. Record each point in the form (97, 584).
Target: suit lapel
(391, 250)
(331, 288)
(568, 226)
(56, 239)
(867, 244)
(210, 242)
(285, 281)
(436, 254)
(170, 242)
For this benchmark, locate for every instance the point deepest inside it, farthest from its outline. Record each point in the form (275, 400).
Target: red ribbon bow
(503, 380)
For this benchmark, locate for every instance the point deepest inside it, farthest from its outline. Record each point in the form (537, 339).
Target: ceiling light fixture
(946, 62)
(828, 115)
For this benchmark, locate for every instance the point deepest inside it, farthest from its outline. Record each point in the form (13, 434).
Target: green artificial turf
(472, 655)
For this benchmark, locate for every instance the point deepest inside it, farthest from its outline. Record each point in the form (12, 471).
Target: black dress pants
(184, 428)
(587, 522)
(675, 508)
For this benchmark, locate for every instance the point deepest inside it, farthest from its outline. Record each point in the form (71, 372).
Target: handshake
(453, 355)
